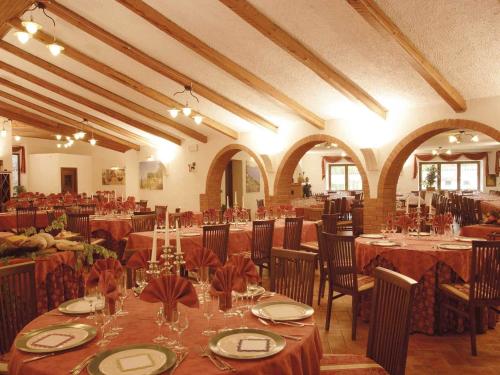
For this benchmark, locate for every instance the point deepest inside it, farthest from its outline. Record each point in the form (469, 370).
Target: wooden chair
(17, 301)
(494, 236)
(25, 218)
(80, 223)
(292, 274)
(340, 257)
(143, 223)
(215, 238)
(292, 233)
(323, 269)
(326, 206)
(262, 243)
(482, 291)
(330, 223)
(389, 330)
(357, 221)
(88, 209)
(143, 204)
(160, 212)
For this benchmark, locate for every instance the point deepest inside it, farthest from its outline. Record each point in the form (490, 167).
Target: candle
(177, 237)
(167, 229)
(242, 200)
(407, 204)
(227, 201)
(235, 203)
(153, 251)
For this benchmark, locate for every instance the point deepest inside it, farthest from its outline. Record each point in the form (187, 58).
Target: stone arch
(391, 170)
(211, 197)
(284, 175)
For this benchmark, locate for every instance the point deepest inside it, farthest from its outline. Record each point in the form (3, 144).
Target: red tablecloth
(56, 279)
(422, 261)
(479, 230)
(116, 227)
(298, 357)
(8, 220)
(239, 241)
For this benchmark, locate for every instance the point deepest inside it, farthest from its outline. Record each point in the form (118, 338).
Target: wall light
(17, 138)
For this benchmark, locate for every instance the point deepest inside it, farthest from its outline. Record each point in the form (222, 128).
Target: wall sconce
(192, 166)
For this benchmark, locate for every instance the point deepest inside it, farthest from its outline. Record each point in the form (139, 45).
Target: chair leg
(321, 290)
(355, 304)
(472, 322)
(329, 310)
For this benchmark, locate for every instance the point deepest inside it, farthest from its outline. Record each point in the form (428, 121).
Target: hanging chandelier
(31, 28)
(187, 93)
(438, 151)
(80, 134)
(460, 137)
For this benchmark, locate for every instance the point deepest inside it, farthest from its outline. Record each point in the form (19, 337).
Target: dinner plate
(373, 236)
(236, 229)
(55, 338)
(190, 234)
(422, 234)
(247, 343)
(282, 310)
(138, 359)
(80, 306)
(384, 243)
(468, 239)
(253, 292)
(455, 246)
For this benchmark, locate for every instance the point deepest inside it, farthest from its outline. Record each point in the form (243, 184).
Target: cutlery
(79, 367)
(291, 323)
(38, 357)
(226, 364)
(204, 353)
(178, 362)
(266, 295)
(291, 337)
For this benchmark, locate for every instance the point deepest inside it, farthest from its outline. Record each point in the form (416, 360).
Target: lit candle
(153, 251)
(167, 229)
(235, 203)
(177, 237)
(227, 201)
(407, 204)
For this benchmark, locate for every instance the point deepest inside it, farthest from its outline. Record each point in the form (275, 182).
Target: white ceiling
(460, 37)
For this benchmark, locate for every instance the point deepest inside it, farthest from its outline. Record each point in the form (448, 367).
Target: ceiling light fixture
(23, 36)
(17, 138)
(92, 140)
(187, 110)
(80, 134)
(198, 119)
(174, 112)
(438, 151)
(58, 137)
(459, 137)
(31, 26)
(59, 145)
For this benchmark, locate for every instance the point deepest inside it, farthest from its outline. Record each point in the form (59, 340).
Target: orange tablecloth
(116, 227)
(238, 240)
(8, 220)
(298, 357)
(422, 261)
(479, 230)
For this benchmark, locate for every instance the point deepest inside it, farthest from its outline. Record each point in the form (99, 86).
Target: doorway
(69, 180)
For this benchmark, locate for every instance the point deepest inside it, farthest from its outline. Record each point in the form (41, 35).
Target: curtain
(331, 160)
(22, 158)
(497, 163)
(453, 157)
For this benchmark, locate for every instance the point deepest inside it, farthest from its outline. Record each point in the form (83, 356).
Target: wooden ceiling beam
(156, 65)
(376, 17)
(125, 80)
(197, 45)
(68, 121)
(82, 100)
(54, 69)
(19, 114)
(72, 110)
(323, 69)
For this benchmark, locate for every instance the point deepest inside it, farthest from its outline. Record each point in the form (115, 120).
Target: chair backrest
(292, 274)
(326, 206)
(215, 238)
(330, 223)
(321, 248)
(389, 332)
(160, 212)
(25, 218)
(17, 301)
(262, 240)
(357, 221)
(293, 233)
(260, 203)
(143, 203)
(87, 209)
(340, 258)
(79, 223)
(485, 273)
(143, 222)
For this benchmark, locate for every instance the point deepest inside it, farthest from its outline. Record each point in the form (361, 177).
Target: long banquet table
(422, 260)
(297, 358)
(239, 240)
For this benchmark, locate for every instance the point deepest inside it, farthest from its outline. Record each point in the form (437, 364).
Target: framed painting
(113, 176)
(150, 175)
(252, 178)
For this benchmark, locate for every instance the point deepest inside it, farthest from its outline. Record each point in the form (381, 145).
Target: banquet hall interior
(261, 187)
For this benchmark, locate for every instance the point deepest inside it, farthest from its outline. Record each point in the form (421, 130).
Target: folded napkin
(226, 279)
(140, 259)
(201, 258)
(245, 268)
(109, 288)
(170, 289)
(101, 265)
(405, 222)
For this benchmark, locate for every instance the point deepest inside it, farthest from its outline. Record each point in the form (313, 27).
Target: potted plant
(18, 190)
(430, 179)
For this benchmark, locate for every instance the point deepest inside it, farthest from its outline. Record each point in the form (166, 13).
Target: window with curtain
(16, 171)
(344, 177)
(453, 176)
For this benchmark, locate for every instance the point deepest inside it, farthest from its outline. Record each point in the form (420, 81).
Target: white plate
(373, 236)
(282, 310)
(468, 239)
(251, 293)
(384, 243)
(80, 306)
(236, 229)
(190, 234)
(454, 246)
(422, 234)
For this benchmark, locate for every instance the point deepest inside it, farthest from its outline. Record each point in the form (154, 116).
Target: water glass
(122, 289)
(101, 321)
(179, 325)
(91, 298)
(160, 321)
(208, 313)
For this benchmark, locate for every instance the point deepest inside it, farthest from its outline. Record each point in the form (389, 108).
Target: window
(344, 177)
(453, 176)
(16, 172)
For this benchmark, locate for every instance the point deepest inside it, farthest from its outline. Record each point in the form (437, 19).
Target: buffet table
(240, 239)
(297, 358)
(422, 260)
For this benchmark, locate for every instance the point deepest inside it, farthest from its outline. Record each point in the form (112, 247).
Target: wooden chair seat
(311, 246)
(365, 283)
(460, 291)
(349, 364)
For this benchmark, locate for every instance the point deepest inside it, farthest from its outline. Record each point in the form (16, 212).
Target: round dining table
(297, 358)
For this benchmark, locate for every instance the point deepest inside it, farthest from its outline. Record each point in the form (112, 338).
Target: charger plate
(373, 236)
(282, 310)
(455, 246)
(78, 306)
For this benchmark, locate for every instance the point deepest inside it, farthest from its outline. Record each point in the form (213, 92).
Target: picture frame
(491, 180)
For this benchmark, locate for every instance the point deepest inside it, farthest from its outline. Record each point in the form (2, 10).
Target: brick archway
(211, 198)
(291, 159)
(391, 170)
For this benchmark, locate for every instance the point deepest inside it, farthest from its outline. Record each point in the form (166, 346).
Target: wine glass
(179, 325)
(140, 277)
(91, 297)
(383, 230)
(122, 289)
(101, 321)
(160, 321)
(208, 313)
(224, 307)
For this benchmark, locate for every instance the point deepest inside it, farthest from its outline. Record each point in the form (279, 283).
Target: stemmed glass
(122, 289)
(208, 312)
(202, 277)
(160, 321)
(383, 230)
(140, 278)
(91, 297)
(179, 325)
(101, 321)
(240, 306)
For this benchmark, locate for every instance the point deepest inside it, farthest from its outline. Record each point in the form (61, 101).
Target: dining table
(297, 357)
(240, 237)
(479, 230)
(488, 202)
(422, 259)
(8, 220)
